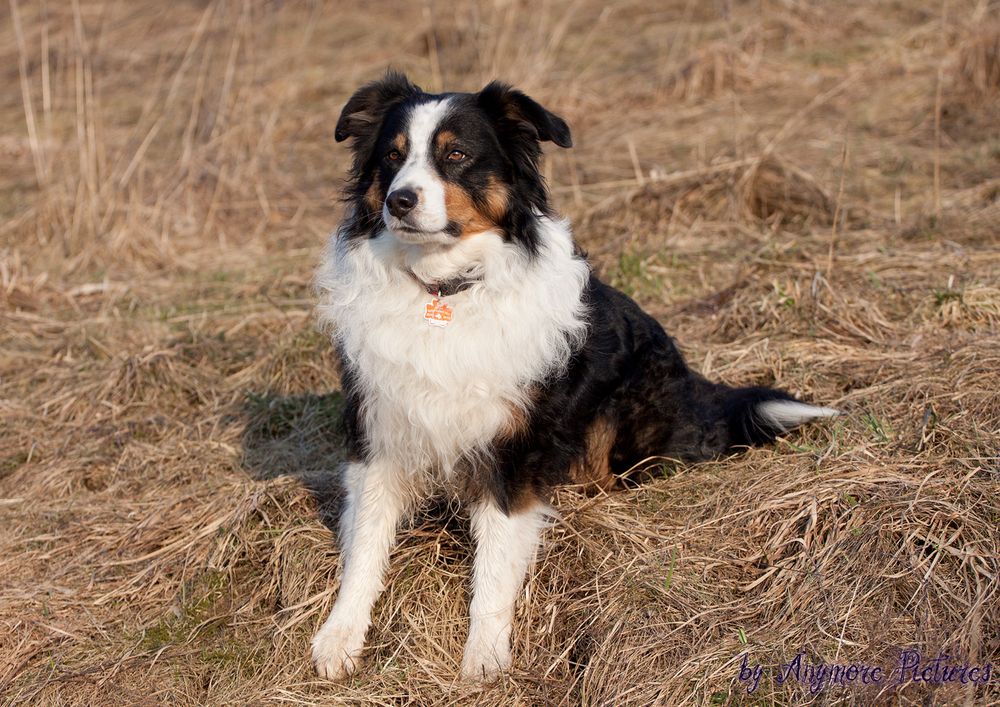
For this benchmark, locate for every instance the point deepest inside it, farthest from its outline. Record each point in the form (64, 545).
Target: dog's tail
(758, 415)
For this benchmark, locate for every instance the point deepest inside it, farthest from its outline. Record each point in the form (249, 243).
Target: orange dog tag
(437, 313)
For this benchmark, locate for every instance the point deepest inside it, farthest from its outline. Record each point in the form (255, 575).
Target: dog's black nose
(401, 201)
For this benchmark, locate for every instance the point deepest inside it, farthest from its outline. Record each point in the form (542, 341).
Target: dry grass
(805, 195)
(979, 62)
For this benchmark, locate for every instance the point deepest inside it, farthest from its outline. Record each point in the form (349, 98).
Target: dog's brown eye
(394, 156)
(456, 156)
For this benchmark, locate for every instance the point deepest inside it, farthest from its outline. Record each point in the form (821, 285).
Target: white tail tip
(786, 414)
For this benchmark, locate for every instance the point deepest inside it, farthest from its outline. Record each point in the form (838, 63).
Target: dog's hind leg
(378, 495)
(505, 547)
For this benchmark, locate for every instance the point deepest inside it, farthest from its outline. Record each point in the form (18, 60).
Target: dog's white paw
(484, 660)
(336, 649)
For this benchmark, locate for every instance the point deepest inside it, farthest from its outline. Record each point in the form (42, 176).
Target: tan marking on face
(496, 200)
(399, 142)
(443, 139)
(472, 218)
(374, 196)
(592, 469)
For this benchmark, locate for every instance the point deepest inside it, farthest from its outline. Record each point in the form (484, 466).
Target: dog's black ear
(364, 112)
(514, 108)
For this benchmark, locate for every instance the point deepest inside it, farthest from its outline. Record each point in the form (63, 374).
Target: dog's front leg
(505, 547)
(377, 496)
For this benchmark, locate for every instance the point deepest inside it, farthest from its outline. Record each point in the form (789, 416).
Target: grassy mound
(805, 196)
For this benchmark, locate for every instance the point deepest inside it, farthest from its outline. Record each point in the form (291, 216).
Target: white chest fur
(434, 395)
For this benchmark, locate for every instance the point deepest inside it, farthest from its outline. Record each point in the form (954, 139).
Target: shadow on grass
(298, 436)
(301, 436)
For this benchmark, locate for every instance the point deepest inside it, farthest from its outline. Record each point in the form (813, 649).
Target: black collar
(445, 288)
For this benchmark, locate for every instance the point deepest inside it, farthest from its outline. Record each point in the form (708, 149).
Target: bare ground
(806, 194)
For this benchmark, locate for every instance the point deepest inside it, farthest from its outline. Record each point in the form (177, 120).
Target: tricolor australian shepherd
(481, 355)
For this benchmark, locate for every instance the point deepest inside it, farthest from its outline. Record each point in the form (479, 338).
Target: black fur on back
(629, 372)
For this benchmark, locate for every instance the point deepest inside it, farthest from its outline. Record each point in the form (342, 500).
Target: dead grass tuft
(978, 62)
(970, 100)
(775, 190)
(718, 68)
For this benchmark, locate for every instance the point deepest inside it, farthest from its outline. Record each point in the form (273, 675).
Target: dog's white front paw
(485, 659)
(336, 648)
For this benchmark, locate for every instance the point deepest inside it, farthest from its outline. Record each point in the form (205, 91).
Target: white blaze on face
(418, 172)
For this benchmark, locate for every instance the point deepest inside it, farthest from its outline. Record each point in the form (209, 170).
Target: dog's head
(435, 168)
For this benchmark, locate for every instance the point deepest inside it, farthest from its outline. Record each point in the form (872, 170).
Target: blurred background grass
(805, 193)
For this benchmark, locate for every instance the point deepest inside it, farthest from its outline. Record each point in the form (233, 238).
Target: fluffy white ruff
(786, 414)
(433, 396)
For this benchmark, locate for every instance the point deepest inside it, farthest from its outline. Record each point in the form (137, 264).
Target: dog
(480, 354)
